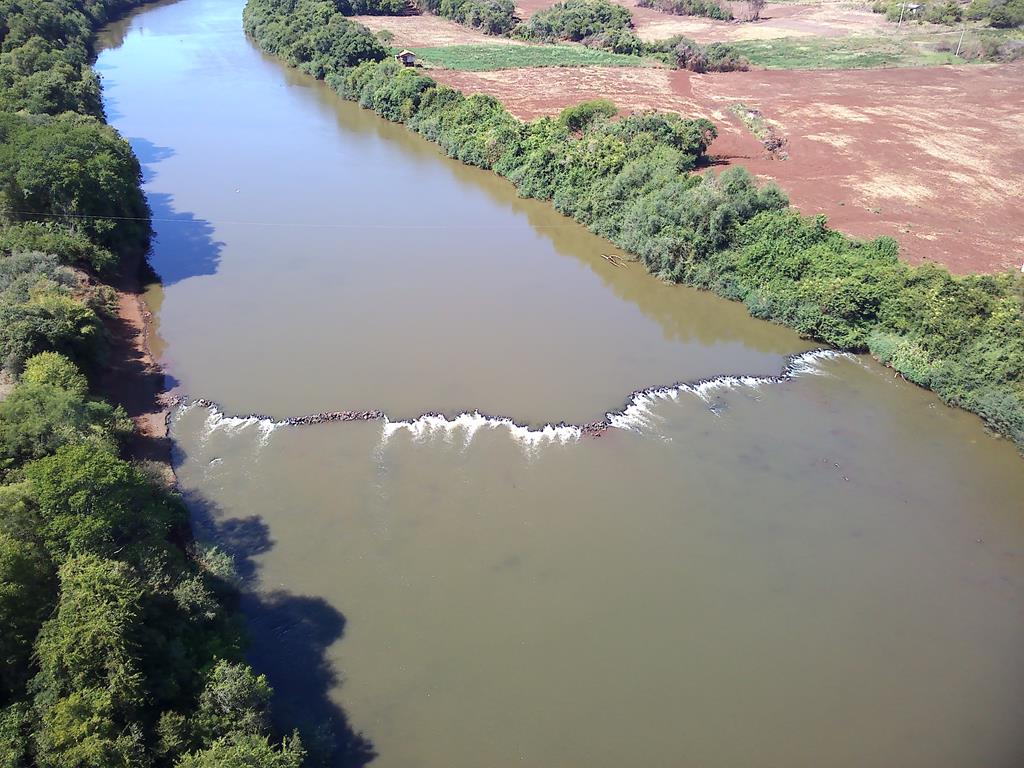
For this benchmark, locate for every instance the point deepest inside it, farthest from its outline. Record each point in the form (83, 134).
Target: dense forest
(638, 181)
(121, 645)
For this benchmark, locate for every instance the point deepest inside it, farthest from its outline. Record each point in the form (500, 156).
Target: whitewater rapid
(634, 415)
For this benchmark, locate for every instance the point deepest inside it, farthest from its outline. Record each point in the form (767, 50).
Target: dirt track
(933, 157)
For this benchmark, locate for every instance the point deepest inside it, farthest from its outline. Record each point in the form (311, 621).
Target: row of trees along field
(603, 24)
(636, 181)
(594, 23)
(120, 645)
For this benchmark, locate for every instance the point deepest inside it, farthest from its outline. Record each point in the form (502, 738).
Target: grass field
(841, 53)
(914, 49)
(485, 58)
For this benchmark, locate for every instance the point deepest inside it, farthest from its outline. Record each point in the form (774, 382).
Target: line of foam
(634, 415)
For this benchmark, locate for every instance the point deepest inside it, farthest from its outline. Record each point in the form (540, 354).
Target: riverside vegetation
(597, 24)
(636, 181)
(121, 645)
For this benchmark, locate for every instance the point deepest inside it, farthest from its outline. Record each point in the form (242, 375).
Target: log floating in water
(612, 258)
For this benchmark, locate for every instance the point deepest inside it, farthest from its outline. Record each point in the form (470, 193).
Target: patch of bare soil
(132, 378)
(428, 31)
(532, 92)
(931, 156)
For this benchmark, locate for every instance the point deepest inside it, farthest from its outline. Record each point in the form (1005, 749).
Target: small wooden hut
(406, 58)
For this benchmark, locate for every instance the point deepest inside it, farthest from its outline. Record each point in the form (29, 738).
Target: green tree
(234, 700)
(15, 736)
(76, 171)
(27, 588)
(48, 319)
(50, 237)
(54, 369)
(89, 687)
(36, 419)
(93, 502)
(247, 751)
(82, 730)
(580, 117)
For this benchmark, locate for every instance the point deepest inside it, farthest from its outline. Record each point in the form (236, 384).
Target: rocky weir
(630, 416)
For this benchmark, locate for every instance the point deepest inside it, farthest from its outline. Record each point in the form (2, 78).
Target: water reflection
(684, 313)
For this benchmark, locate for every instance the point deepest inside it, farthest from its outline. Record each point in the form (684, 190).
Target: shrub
(371, 7)
(234, 700)
(683, 53)
(53, 369)
(38, 312)
(70, 246)
(576, 20)
(1006, 13)
(247, 751)
(947, 12)
(708, 8)
(978, 10)
(494, 17)
(581, 116)
(37, 418)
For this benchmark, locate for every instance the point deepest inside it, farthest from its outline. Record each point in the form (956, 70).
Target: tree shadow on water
(184, 245)
(149, 154)
(289, 636)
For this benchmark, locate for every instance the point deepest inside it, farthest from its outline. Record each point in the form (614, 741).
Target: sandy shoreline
(132, 377)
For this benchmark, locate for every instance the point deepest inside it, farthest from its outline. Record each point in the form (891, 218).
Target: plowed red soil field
(931, 156)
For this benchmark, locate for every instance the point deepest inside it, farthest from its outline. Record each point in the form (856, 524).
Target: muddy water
(315, 257)
(821, 571)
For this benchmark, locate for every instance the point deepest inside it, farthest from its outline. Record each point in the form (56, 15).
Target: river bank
(132, 376)
(640, 182)
(96, 541)
(800, 556)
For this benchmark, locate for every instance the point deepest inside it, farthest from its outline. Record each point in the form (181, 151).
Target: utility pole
(962, 33)
(902, 9)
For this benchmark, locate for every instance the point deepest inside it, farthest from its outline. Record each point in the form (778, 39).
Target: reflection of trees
(112, 36)
(684, 313)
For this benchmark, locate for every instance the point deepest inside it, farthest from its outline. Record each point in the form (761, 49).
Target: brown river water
(824, 569)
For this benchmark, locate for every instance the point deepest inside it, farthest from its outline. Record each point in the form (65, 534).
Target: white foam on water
(808, 363)
(468, 424)
(217, 420)
(636, 416)
(705, 390)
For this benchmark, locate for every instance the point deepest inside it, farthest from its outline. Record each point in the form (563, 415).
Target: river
(744, 570)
